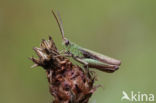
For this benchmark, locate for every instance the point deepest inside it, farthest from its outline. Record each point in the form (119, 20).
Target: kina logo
(138, 96)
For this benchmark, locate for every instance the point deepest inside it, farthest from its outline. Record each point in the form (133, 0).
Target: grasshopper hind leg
(101, 65)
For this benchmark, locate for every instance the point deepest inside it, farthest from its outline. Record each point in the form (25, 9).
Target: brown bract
(68, 83)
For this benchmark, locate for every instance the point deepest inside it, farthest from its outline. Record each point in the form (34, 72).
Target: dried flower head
(68, 83)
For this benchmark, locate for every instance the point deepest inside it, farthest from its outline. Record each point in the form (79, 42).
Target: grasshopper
(89, 58)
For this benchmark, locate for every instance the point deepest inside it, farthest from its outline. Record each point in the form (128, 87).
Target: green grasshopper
(90, 59)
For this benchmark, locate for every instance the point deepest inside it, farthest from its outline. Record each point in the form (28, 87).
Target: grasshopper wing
(97, 56)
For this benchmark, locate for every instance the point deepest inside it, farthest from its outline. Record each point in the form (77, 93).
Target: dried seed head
(67, 83)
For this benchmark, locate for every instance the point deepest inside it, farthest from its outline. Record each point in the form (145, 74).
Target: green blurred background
(123, 29)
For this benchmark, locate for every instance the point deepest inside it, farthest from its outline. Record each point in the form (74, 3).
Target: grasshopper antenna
(60, 24)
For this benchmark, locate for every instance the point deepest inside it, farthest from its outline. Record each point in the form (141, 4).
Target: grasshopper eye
(67, 42)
